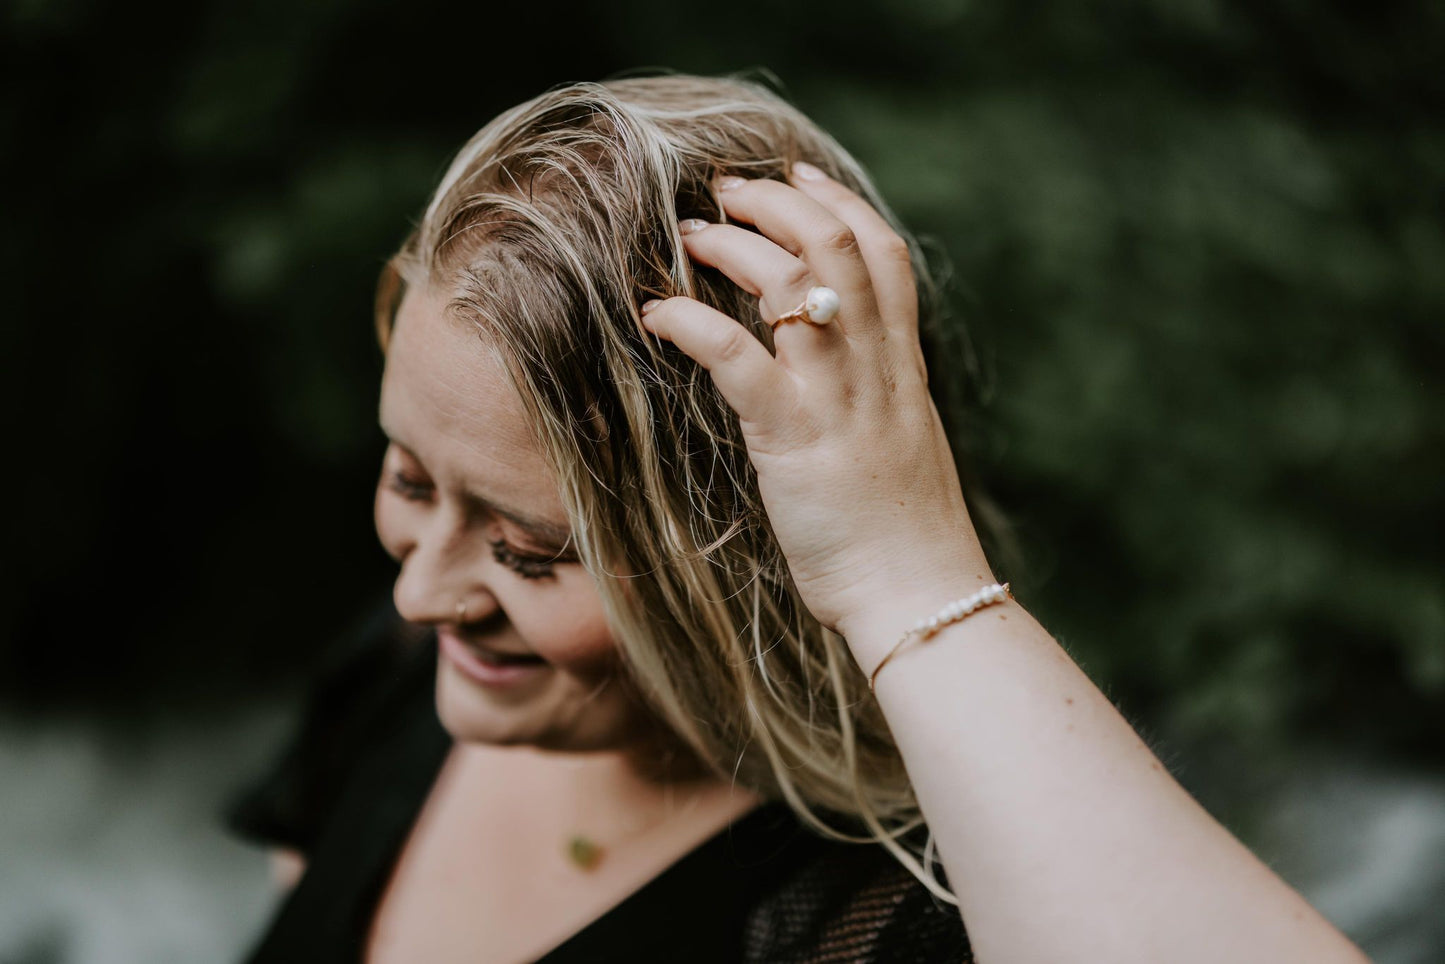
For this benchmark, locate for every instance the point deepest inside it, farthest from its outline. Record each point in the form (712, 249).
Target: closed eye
(409, 488)
(525, 565)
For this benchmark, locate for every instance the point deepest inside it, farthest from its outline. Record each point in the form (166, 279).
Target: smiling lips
(489, 668)
(487, 654)
(503, 659)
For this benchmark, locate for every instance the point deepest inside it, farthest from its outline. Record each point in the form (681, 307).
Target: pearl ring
(819, 308)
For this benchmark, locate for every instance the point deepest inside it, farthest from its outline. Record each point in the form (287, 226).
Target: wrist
(876, 625)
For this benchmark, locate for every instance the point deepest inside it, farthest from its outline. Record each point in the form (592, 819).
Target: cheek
(388, 523)
(571, 629)
(378, 516)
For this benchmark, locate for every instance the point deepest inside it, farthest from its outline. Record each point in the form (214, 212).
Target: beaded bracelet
(952, 613)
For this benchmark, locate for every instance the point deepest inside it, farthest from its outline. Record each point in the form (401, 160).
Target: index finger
(750, 379)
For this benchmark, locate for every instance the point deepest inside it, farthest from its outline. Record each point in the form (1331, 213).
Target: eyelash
(409, 489)
(526, 566)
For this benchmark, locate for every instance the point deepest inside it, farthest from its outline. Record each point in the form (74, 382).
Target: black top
(764, 889)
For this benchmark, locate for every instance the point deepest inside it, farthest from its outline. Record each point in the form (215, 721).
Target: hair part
(549, 229)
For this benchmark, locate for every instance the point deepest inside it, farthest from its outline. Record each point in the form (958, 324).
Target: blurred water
(1366, 844)
(112, 850)
(111, 845)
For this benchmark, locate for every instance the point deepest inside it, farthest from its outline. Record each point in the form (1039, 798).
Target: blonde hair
(549, 229)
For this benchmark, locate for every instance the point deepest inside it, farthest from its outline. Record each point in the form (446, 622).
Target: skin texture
(1062, 834)
(459, 441)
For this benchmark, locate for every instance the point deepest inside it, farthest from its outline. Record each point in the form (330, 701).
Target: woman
(666, 481)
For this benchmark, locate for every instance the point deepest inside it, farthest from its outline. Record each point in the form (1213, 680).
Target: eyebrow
(545, 529)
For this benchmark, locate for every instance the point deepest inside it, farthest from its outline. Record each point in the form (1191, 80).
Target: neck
(647, 775)
(632, 775)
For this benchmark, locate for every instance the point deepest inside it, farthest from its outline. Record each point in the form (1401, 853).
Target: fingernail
(807, 172)
(691, 225)
(730, 182)
(649, 305)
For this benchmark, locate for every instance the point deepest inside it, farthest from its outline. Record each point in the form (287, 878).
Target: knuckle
(797, 276)
(894, 248)
(732, 345)
(838, 238)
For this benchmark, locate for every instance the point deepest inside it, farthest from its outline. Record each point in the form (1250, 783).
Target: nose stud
(461, 611)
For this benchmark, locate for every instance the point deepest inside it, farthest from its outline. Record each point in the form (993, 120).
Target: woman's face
(468, 507)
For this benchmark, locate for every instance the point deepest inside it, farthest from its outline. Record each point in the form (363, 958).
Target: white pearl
(822, 305)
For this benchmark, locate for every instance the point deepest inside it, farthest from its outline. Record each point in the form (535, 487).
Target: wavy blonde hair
(549, 229)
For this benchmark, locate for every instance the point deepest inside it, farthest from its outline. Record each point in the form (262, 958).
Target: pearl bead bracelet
(952, 613)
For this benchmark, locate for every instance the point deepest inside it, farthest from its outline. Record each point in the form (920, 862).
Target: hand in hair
(1062, 834)
(853, 464)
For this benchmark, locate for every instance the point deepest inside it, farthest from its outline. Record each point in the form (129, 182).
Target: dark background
(1198, 246)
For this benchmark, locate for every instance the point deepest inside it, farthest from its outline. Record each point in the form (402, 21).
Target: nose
(444, 581)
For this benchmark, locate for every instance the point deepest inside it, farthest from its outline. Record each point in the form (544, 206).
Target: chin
(538, 718)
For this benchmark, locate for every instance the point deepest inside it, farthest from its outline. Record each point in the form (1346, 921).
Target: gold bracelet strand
(957, 610)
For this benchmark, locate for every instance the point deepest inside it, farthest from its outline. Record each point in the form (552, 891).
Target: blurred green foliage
(1198, 246)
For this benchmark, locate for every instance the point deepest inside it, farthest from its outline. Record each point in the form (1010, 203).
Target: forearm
(1063, 836)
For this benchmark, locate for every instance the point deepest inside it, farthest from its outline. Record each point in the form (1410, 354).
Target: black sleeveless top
(764, 889)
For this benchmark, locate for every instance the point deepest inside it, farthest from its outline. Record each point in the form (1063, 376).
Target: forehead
(446, 396)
